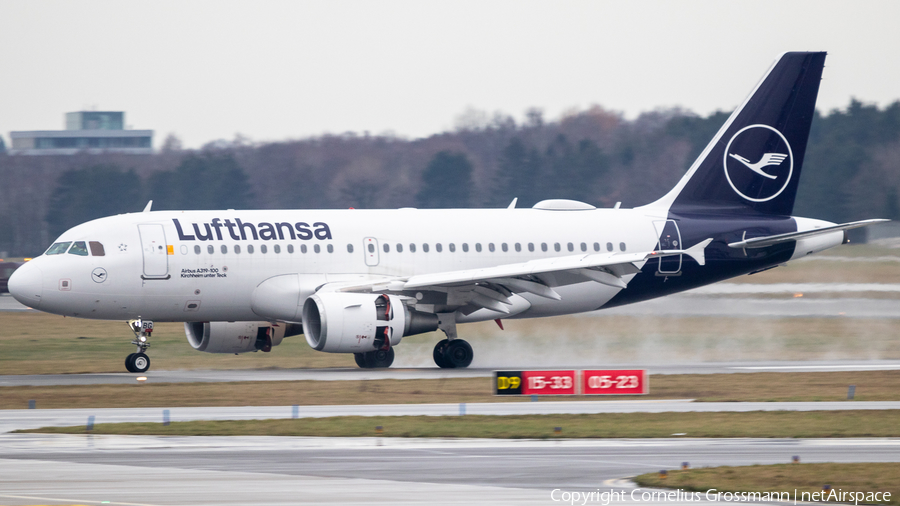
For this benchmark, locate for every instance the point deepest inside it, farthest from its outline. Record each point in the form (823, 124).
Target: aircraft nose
(26, 285)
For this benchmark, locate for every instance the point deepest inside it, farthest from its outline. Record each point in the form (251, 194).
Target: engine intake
(338, 322)
(237, 337)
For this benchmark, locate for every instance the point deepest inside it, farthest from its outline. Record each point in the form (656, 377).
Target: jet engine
(338, 322)
(237, 337)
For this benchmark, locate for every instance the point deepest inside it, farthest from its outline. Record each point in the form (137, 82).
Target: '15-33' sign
(607, 382)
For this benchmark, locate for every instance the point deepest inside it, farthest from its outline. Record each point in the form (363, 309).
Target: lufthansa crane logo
(758, 163)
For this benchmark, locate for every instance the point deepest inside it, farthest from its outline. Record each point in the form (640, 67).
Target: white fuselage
(193, 278)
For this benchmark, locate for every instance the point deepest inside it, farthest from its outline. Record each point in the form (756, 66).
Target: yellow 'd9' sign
(508, 382)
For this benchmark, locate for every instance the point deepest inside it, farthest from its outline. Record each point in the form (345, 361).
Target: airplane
(359, 281)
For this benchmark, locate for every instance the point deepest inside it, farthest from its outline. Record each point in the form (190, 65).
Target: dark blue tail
(753, 163)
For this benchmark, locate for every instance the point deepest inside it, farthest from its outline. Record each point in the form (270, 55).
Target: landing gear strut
(378, 359)
(139, 361)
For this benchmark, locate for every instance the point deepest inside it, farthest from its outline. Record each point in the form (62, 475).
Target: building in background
(91, 131)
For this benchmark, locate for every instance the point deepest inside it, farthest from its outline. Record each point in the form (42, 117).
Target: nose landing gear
(139, 361)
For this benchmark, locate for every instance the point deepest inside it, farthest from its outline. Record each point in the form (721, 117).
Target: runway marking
(79, 501)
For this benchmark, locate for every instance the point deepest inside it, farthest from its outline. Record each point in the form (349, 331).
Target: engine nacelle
(236, 337)
(338, 322)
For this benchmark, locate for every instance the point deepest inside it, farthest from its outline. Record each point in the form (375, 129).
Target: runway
(275, 471)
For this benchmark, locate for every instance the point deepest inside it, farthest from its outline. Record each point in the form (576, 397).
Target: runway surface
(275, 471)
(347, 374)
(13, 419)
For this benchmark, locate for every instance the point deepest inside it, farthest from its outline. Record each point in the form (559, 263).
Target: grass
(761, 387)
(757, 424)
(867, 477)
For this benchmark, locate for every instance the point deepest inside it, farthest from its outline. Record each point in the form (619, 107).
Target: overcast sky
(207, 70)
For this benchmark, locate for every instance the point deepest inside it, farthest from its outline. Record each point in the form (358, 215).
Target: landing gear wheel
(458, 354)
(438, 354)
(140, 362)
(380, 359)
(128, 364)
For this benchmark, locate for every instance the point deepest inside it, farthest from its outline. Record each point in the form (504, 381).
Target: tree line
(596, 156)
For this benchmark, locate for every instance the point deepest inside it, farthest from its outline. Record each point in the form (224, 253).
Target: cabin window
(518, 247)
(58, 248)
(583, 247)
(291, 248)
(465, 247)
(349, 248)
(196, 249)
(531, 246)
(412, 247)
(96, 249)
(263, 248)
(237, 249)
(504, 247)
(452, 247)
(556, 246)
(399, 248)
(249, 249)
(570, 247)
(622, 246)
(371, 248)
(317, 248)
(478, 247)
(330, 248)
(79, 248)
(424, 247)
(491, 247)
(596, 246)
(543, 246)
(438, 247)
(609, 246)
(303, 248)
(386, 247)
(276, 248)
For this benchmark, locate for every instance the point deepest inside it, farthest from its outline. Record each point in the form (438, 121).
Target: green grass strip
(795, 479)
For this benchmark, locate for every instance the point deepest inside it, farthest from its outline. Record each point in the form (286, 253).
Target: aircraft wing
(490, 287)
(762, 242)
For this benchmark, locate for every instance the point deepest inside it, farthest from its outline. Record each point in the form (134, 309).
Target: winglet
(147, 207)
(697, 251)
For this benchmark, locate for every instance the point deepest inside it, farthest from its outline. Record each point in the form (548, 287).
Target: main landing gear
(139, 362)
(453, 352)
(378, 359)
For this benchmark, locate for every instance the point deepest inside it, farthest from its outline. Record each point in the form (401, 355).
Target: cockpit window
(96, 249)
(78, 248)
(58, 248)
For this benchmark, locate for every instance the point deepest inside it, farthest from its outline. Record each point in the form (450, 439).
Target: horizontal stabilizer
(763, 242)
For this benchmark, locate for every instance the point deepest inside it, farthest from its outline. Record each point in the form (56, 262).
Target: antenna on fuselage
(512, 205)
(147, 207)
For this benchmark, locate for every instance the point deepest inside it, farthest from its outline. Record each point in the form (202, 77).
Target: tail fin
(753, 163)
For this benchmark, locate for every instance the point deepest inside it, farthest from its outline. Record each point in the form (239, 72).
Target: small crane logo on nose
(99, 275)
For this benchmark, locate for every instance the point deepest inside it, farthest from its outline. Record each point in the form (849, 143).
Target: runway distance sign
(535, 382)
(615, 382)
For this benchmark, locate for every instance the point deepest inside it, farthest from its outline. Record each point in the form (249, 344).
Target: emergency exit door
(370, 250)
(669, 239)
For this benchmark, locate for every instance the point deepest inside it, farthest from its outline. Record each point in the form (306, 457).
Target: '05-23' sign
(571, 382)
